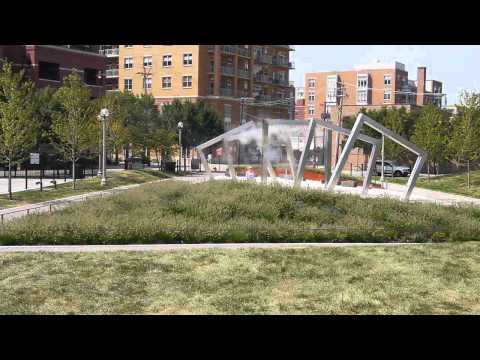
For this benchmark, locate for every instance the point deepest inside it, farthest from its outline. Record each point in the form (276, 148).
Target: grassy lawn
(428, 279)
(223, 211)
(83, 186)
(452, 183)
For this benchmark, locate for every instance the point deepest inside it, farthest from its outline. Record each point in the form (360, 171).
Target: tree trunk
(428, 170)
(126, 158)
(468, 174)
(9, 179)
(158, 158)
(73, 172)
(116, 155)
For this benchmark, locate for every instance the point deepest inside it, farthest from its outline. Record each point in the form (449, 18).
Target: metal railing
(280, 82)
(278, 61)
(229, 49)
(110, 52)
(263, 78)
(244, 52)
(228, 70)
(226, 92)
(244, 74)
(111, 73)
(264, 59)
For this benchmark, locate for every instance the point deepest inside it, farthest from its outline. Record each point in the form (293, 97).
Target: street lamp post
(180, 127)
(99, 173)
(104, 113)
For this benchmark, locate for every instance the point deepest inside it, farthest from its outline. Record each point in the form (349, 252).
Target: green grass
(451, 183)
(428, 279)
(83, 186)
(223, 211)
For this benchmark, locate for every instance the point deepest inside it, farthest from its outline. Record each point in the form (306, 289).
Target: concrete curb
(187, 247)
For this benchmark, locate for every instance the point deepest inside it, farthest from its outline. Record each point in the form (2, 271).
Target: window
(387, 79)
(387, 95)
(362, 81)
(227, 117)
(48, 71)
(187, 59)
(147, 46)
(148, 83)
(311, 82)
(311, 96)
(128, 62)
(311, 110)
(128, 46)
(362, 97)
(128, 84)
(332, 81)
(90, 76)
(166, 82)
(147, 61)
(167, 60)
(187, 81)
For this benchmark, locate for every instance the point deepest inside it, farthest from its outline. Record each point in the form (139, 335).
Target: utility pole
(340, 96)
(145, 73)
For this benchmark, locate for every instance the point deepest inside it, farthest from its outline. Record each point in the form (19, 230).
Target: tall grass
(174, 212)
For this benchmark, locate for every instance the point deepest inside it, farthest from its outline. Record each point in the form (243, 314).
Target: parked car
(391, 168)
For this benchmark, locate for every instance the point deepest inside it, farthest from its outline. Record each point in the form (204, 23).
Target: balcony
(228, 70)
(263, 78)
(243, 93)
(226, 92)
(281, 82)
(110, 52)
(244, 52)
(244, 74)
(264, 59)
(263, 98)
(278, 61)
(229, 49)
(111, 73)
(291, 65)
(211, 47)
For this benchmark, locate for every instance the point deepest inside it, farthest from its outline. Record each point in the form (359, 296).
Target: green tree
(200, 121)
(464, 144)
(161, 141)
(74, 125)
(17, 128)
(431, 134)
(398, 120)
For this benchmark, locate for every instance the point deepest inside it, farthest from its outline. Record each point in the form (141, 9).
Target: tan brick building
(222, 75)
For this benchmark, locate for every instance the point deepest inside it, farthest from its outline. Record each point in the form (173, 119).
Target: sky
(456, 66)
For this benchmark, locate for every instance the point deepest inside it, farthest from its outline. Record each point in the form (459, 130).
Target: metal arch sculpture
(355, 134)
(330, 127)
(297, 171)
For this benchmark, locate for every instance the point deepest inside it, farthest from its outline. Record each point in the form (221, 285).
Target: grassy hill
(223, 211)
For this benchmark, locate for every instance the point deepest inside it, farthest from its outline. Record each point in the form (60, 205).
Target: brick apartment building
(367, 86)
(47, 65)
(225, 76)
(300, 103)
(111, 72)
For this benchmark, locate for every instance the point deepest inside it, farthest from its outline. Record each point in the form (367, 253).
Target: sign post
(35, 160)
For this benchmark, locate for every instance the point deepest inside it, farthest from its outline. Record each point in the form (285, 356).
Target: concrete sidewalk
(184, 247)
(56, 204)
